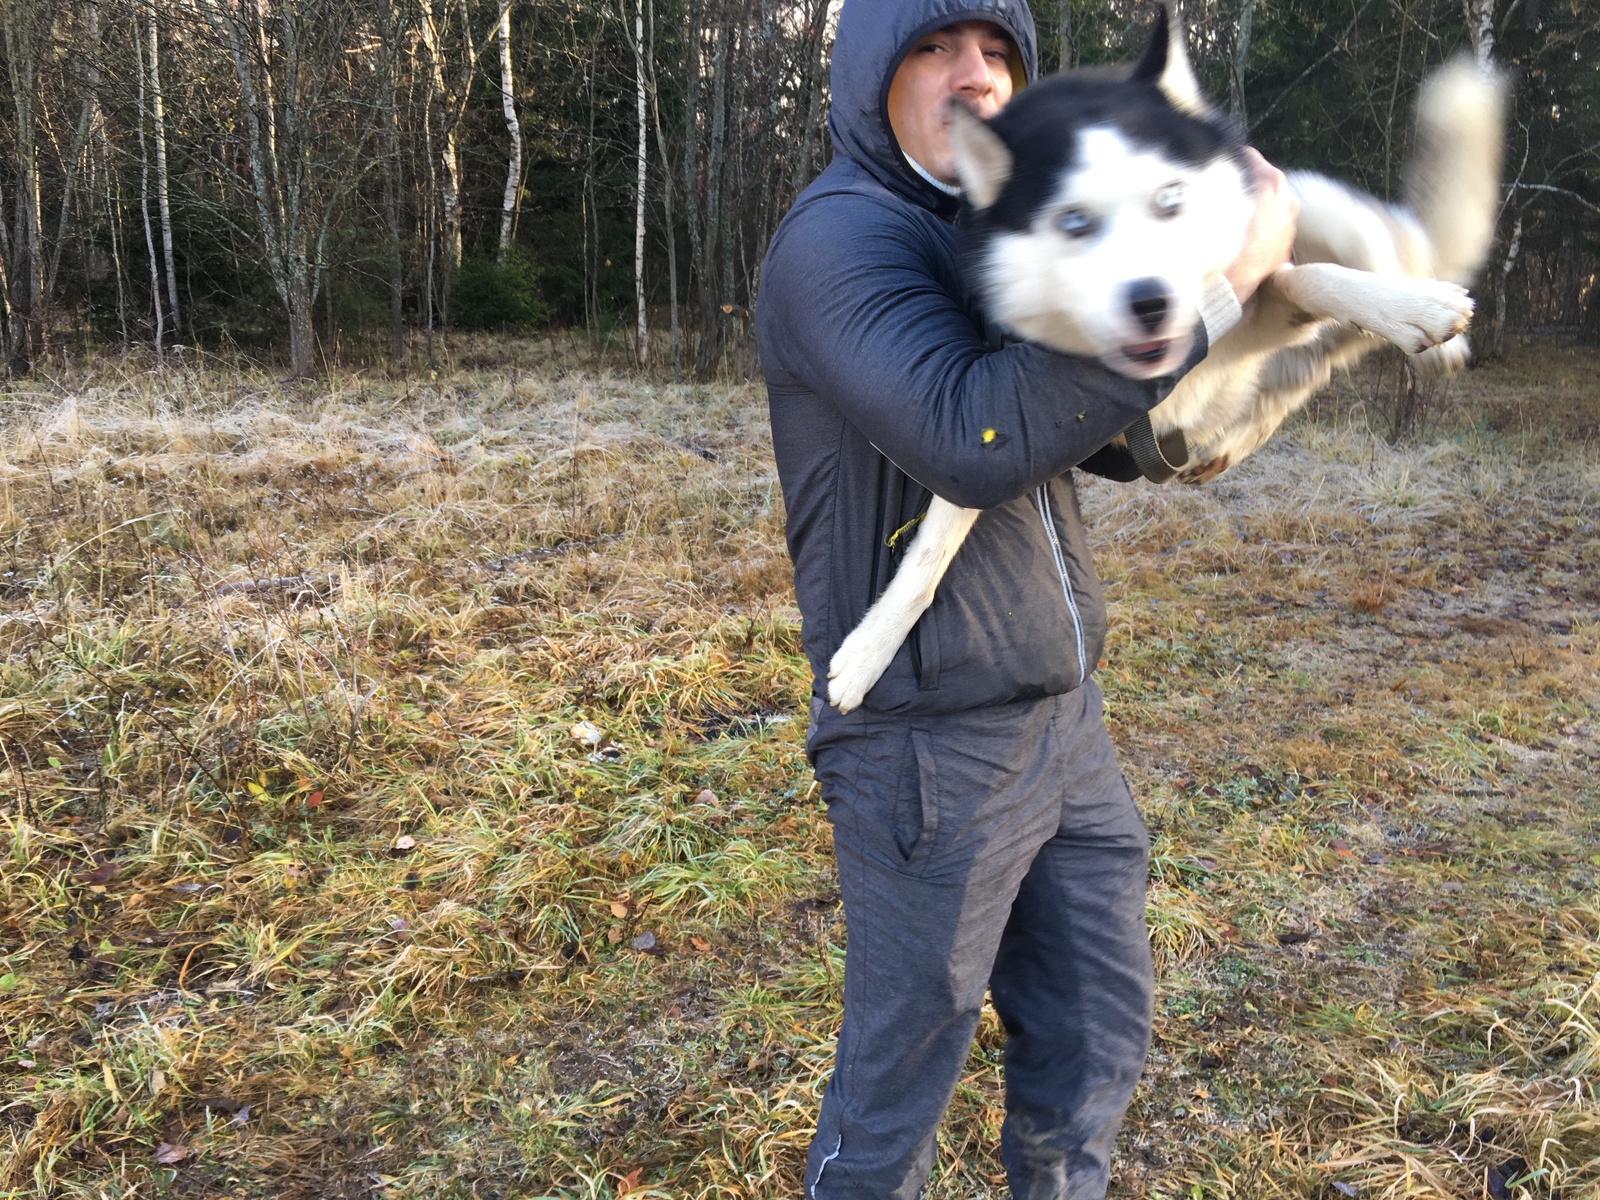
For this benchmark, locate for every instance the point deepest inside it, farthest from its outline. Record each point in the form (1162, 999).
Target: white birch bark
(641, 340)
(159, 124)
(453, 103)
(508, 106)
(144, 204)
(1479, 15)
(666, 199)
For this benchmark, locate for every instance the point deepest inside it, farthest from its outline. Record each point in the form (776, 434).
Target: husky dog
(1102, 205)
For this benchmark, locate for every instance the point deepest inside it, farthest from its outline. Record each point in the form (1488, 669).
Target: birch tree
(508, 106)
(641, 338)
(159, 316)
(158, 122)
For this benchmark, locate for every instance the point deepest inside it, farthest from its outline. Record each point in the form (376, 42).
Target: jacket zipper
(1042, 502)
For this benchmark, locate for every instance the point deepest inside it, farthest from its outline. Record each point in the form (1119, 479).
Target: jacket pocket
(925, 651)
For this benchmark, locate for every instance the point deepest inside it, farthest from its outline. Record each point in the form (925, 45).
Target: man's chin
(1150, 359)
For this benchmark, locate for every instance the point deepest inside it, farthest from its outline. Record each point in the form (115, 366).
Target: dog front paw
(857, 665)
(1447, 358)
(1428, 313)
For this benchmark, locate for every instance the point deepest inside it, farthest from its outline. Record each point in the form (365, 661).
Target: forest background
(402, 777)
(313, 179)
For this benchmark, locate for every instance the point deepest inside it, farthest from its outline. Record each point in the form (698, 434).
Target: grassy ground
(401, 795)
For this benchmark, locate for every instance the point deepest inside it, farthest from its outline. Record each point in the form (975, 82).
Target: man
(984, 835)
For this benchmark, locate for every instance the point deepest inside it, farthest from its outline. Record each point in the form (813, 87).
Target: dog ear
(983, 162)
(1165, 63)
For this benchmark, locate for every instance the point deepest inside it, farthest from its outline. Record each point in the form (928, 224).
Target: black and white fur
(1104, 206)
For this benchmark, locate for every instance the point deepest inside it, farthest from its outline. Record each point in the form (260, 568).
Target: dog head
(1102, 205)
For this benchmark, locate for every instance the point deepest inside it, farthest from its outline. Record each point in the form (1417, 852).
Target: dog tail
(1452, 182)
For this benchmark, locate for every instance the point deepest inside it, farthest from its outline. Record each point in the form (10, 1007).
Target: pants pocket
(917, 824)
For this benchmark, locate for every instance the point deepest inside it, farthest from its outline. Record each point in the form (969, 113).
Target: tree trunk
(641, 337)
(114, 223)
(508, 203)
(666, 199)
(693, 194)
(1497, 333)
(1241, 55)
(391, 180)
(1479, 16)
(711, 289)
(89, 80)
(449, 160)
(24, 27)
(1066, 37)
(144, 203)
(159, 123)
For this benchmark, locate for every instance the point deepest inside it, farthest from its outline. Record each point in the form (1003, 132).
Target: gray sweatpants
(999, 849)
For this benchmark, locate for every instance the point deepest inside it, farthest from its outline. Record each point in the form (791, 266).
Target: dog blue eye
(1169, 200)
(1077, 223)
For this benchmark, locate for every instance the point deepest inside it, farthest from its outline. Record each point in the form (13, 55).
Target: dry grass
(309, 889)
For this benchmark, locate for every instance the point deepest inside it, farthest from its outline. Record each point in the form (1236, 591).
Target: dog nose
(1148, 300)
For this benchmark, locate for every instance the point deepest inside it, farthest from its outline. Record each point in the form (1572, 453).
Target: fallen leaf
(314, 799)
(699, 943)
(614, 935)
(167, 1154)
(706, 796)
(98, 876)
(646, 941)
(618, 909)
(629, 1182)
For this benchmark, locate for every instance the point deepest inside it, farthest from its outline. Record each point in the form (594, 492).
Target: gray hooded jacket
(884, 388)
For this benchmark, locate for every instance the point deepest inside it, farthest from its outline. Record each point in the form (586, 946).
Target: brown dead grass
(307, 879)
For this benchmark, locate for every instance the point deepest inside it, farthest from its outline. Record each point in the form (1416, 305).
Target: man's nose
(971, 74)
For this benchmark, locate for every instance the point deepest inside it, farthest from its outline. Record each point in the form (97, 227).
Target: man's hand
(1270, 238)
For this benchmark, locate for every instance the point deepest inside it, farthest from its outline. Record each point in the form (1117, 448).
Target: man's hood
(873, 36)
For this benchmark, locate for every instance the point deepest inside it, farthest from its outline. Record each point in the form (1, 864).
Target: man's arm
(851, 305)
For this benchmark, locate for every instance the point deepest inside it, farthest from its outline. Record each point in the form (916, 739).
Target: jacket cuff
(1219, 310)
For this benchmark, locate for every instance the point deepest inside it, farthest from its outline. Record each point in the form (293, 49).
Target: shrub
(489, 294)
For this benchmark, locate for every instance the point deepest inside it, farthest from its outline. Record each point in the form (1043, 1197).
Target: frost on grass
(293, 814)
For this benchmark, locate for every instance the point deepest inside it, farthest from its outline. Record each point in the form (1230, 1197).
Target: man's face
(971, 60)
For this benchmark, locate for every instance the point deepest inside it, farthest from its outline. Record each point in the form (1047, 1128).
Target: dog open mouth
(1145, 354)
(1143, 360)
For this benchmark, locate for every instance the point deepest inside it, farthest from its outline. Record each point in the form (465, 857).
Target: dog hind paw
(1205, 472)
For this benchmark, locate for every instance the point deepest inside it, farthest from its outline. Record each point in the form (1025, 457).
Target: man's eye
(1169, 200)
(1077, 223)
